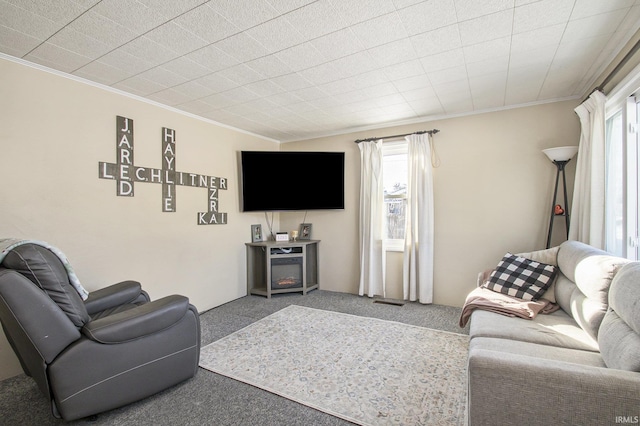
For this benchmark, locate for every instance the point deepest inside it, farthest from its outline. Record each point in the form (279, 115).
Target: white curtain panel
(372, 218)
(588, 207)
(418, 251)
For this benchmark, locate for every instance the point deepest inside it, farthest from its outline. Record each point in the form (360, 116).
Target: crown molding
(127, 94)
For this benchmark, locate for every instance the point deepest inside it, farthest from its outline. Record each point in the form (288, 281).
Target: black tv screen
(292, 180)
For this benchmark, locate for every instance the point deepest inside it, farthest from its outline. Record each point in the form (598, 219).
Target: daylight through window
(622, 209)
(395, 176)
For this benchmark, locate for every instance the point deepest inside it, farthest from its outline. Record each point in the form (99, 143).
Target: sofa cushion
(583, 287)
(590, 268)
(548, 256)
(619, 335)
(556, 329)
(552, 353)
(588, 313)
(520, 277)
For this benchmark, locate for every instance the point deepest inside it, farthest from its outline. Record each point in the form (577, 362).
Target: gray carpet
(211, 399)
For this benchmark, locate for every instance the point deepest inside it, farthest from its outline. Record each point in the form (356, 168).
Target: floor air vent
(390, 302)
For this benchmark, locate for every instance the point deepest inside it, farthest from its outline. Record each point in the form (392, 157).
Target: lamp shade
(561, 153)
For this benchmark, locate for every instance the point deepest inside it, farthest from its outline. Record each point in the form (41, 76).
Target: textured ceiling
(295, 69)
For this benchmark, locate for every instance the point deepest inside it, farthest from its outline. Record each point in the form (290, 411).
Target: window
(622, 212)
(614, 189)
(395, 177)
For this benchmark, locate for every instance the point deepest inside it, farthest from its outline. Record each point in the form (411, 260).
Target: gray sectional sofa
(579, 365)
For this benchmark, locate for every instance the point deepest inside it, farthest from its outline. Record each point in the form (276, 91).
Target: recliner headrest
(46, 271)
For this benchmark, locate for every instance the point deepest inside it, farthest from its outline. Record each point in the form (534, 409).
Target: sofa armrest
(483, 276)
(519, 389)
(115, 295)
(138, 322)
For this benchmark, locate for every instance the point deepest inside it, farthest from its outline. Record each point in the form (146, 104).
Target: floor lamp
(560, 157)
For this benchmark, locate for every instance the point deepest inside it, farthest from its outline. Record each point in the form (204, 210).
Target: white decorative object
(282, 236)
(561, 153)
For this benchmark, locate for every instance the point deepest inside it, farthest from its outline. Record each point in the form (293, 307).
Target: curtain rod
(615, 70)
(421, 132)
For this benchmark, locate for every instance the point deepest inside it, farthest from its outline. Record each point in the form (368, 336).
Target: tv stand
(282, 267)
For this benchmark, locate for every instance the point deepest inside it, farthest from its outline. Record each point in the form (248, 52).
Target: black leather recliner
(114, 348)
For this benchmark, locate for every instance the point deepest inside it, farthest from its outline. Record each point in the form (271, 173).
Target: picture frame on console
(305, 231)
(256, 233)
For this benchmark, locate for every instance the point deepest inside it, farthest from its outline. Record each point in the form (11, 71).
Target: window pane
(634, 253)
(395, 218)
(395, 193)
(615, 186)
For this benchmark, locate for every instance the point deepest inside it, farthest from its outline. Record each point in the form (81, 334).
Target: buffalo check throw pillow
(520, 277)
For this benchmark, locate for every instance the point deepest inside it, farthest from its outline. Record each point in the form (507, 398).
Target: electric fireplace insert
(286, 272)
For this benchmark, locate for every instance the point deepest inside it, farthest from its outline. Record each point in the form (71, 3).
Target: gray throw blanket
(8, 244)
(488, 300)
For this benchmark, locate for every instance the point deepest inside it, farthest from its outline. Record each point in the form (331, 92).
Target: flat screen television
(292, 180)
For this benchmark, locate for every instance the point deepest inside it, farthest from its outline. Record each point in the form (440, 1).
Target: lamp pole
(560, 166)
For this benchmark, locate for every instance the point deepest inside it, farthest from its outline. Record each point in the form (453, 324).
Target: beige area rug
(364, 370)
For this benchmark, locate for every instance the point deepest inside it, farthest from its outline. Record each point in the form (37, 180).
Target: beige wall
(54, 133)
(493, 194)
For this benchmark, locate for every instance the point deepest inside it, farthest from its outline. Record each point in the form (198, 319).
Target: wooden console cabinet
(282, 267)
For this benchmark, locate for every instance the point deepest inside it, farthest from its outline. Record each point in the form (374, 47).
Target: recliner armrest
(114, 295)
(138, 322)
